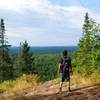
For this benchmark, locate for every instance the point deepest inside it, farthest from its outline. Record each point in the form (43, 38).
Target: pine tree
(90, 38)
(27, 60)
(88, 44)
(5, 61)
(85, 42)
(18, 63)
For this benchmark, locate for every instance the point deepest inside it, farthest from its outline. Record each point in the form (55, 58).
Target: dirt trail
(48, 91)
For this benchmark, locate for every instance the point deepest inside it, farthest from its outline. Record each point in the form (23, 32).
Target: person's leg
(61, 84)
(61, 81)
(60, 88)
(68, 82)
(68, 85)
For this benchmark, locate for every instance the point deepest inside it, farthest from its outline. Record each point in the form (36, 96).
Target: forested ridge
(85, 60)
(44, 49)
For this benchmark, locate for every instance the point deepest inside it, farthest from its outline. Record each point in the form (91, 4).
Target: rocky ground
(48, 91)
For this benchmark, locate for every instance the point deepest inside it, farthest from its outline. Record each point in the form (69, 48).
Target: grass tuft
(21, 83)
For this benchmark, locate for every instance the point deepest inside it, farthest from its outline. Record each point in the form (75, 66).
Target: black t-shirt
(61, 62)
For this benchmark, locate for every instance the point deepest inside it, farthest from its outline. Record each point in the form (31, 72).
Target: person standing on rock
(64, 69)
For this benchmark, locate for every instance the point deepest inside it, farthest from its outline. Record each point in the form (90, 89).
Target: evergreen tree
(85, 42)
(88, 45)
(90, 38)
(27, 60)
(17, 66)
(6, 70)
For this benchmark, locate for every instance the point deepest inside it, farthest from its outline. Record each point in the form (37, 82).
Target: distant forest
(85, 59)
(44, 49)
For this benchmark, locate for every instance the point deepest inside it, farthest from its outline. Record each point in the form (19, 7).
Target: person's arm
(60, 64)
(59, 68)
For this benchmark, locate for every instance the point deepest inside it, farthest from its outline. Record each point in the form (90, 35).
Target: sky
(46, 22)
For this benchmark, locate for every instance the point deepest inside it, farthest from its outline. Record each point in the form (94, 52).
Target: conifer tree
(85, 42)
(88, 44)
(90, 38)
(6, 69)
(27, 59)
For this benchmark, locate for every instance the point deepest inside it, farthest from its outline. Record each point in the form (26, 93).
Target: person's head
(65, 52)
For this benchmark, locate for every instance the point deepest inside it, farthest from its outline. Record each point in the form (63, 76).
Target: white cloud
(20, 5)
(72, 15)
(20, 34)
(24, 32)
(57, 17)
(40, 37)
(13, 34)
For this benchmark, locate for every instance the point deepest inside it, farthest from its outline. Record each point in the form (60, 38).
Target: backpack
(65, 64)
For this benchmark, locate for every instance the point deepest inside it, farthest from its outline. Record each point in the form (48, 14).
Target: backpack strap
(67, 58)
(64, 59)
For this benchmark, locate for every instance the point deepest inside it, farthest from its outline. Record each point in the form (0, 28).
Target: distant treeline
(44, 50)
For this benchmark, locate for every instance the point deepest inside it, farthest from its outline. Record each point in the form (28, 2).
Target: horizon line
(49, 46)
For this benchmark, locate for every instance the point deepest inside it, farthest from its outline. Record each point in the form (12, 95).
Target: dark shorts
(64, 76)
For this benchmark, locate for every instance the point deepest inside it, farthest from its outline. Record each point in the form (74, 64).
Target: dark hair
(65, 53)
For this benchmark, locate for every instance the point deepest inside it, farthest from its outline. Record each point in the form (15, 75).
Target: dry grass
(90, 80)
(21, 83)
(29, 81)
(76, 79)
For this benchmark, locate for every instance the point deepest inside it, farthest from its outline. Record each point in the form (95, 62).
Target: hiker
(64, 69)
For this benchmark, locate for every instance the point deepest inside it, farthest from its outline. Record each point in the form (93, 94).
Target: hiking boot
(60, 90)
